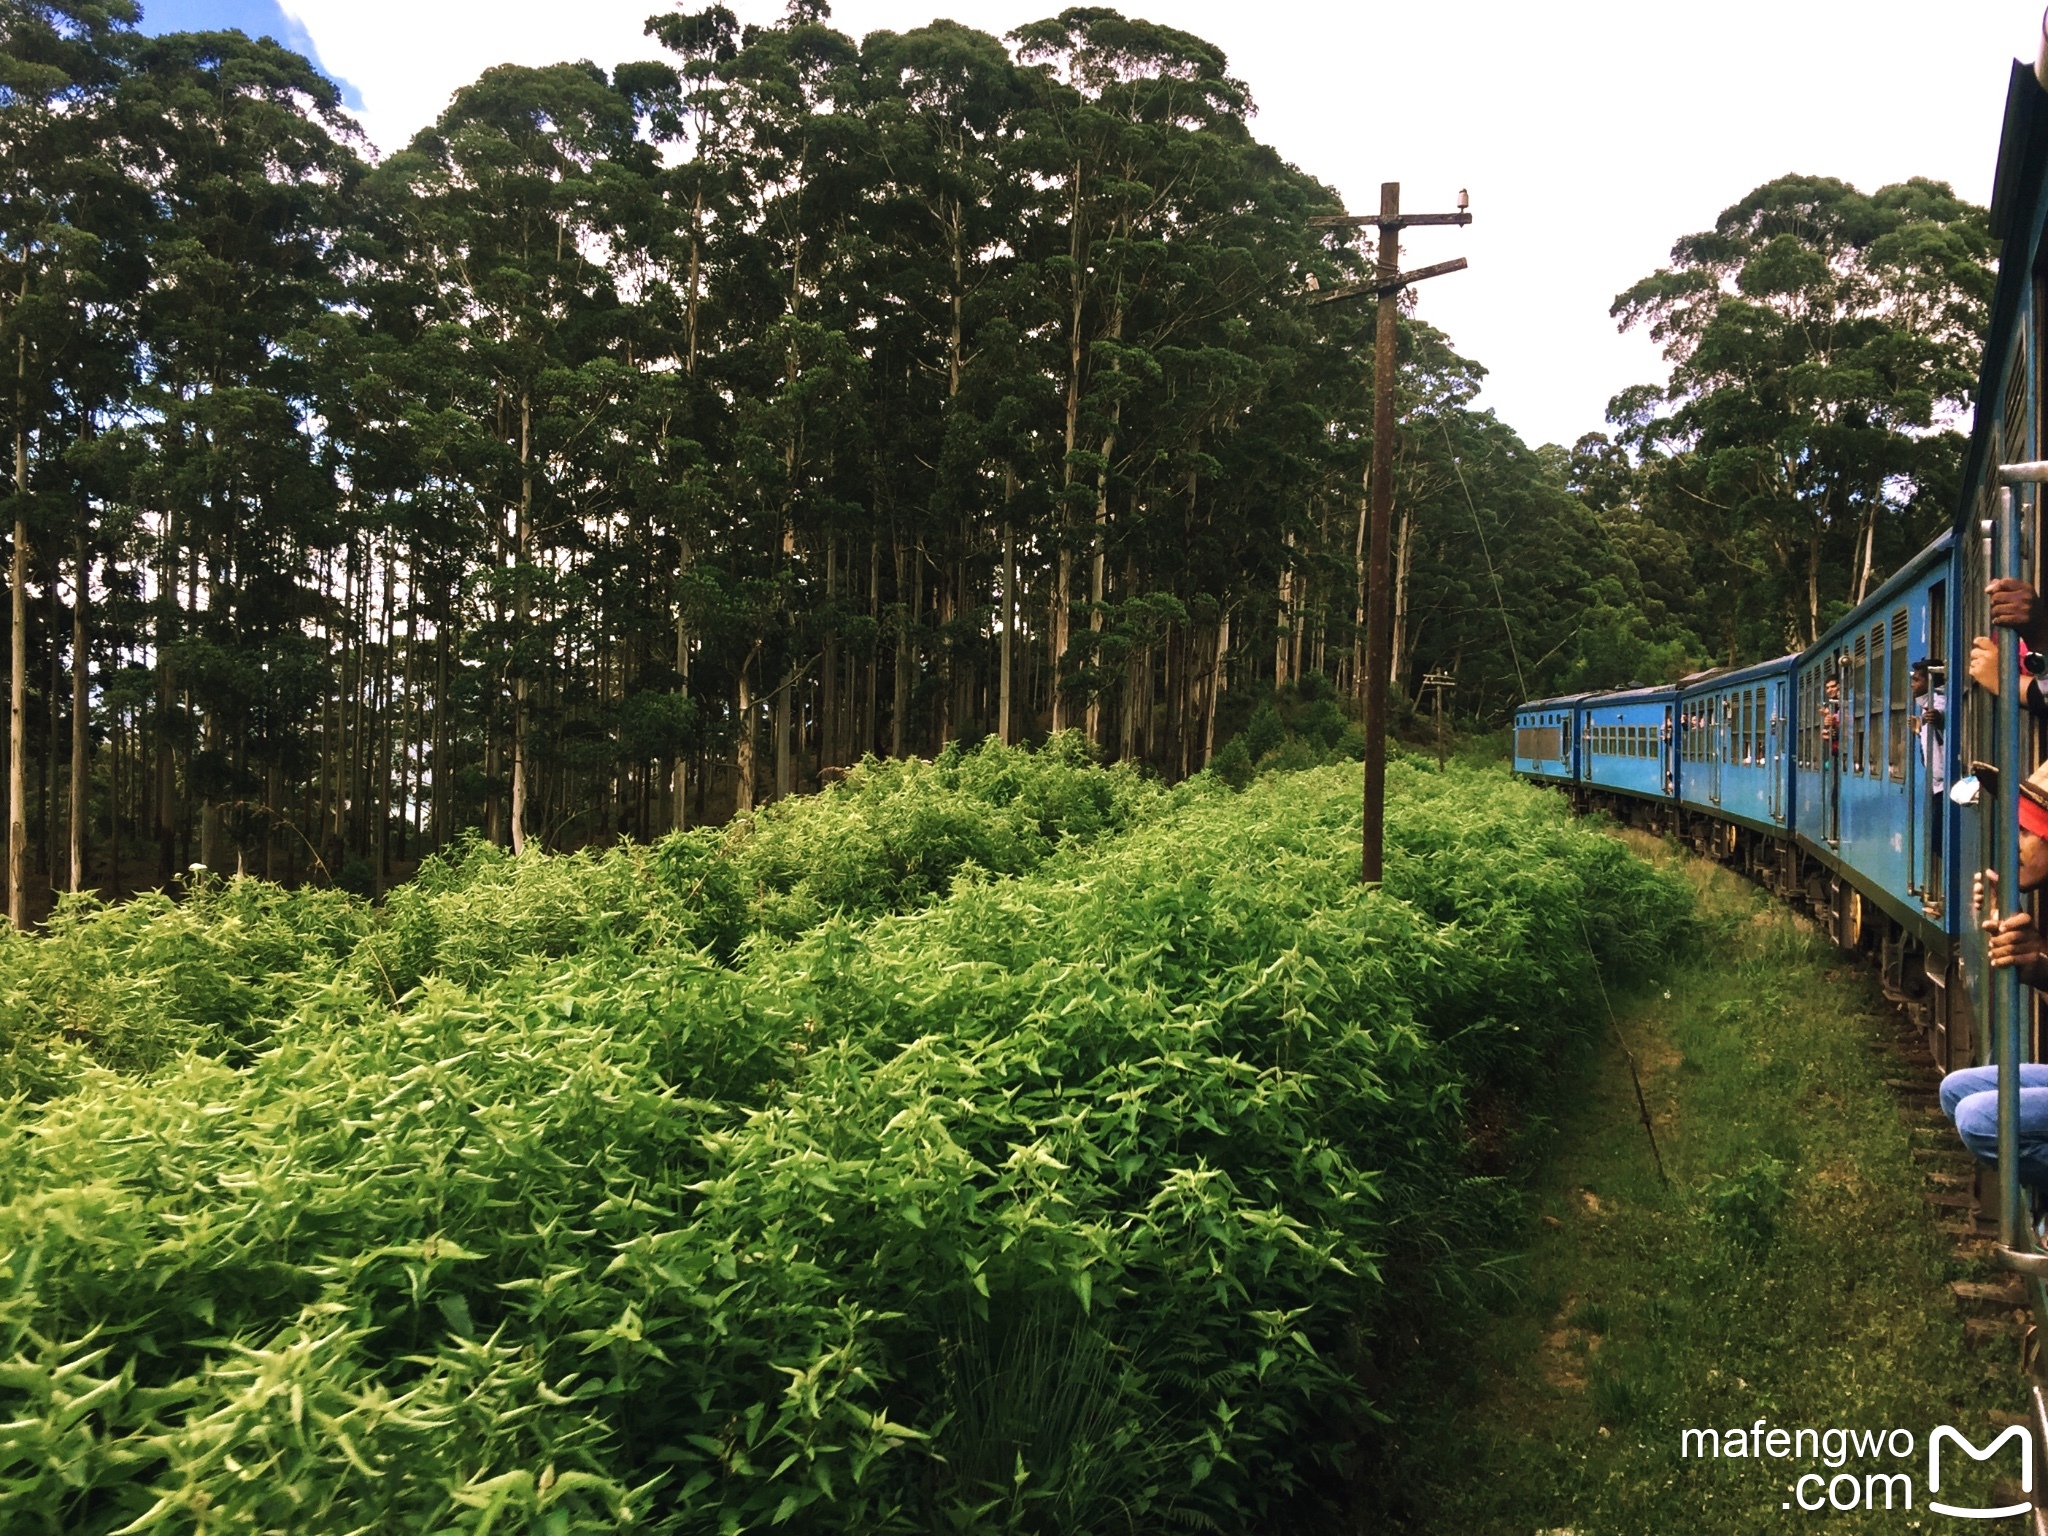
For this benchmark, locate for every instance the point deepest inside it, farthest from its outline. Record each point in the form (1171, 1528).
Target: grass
(1789, 1272)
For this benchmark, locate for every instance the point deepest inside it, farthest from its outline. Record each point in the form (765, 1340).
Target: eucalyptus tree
(512, 199)
(247, 156)
(1823, 344)
(70, 215)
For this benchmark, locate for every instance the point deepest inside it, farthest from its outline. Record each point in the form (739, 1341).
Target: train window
(1763, 726)
(1746, 753)
(1896, 696)
(1873, 702)
(1859, 683)
(1806, 721)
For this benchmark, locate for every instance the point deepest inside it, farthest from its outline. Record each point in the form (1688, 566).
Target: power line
(1498, 601)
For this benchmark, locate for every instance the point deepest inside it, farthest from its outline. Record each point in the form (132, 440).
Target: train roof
(1562, 701)
(1651, 694)
(1723, 677)
(2017, 188)
(1898, 581)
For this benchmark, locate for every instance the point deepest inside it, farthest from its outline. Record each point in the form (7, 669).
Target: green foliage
(1055, 1201)
(1823, 343)
(896, 832)
(1746, 1204)
(132, 987)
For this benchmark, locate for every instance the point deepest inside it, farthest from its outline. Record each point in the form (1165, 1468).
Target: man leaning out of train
(1970, 1096)
(2015, 605)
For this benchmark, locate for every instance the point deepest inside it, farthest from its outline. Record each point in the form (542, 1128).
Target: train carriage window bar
(1873, 702)
(1896, 697)
(1859, 684)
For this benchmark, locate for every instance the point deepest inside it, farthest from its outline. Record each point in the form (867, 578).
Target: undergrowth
(1070, 1178)
(1789, 1273)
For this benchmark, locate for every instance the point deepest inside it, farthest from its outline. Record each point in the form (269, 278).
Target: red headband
(2033, 816)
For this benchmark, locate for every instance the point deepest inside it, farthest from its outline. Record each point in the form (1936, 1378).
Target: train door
(1717, 730)
(1831, 775)
(1669, 753)
(1933, 728)
(1777, 750)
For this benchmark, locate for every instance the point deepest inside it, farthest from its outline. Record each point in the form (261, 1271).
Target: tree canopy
(1824, 348)
(642, 442)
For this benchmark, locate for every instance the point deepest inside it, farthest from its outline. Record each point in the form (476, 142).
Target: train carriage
(1842, 783)
(1872, 759)
(1627, 747)
(1546, 740)
(1735, 766)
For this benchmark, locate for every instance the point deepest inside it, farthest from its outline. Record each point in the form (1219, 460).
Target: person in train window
(1970, 1097)
(2015, 605)
(1931, 720)
(1831, 716)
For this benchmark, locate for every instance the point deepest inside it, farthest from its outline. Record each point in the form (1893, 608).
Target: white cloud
(1591, 133)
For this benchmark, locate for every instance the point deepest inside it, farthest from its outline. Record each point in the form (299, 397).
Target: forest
(642, 444)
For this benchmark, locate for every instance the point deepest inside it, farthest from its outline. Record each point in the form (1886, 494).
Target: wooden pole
(1379, 613)
(1387, 283)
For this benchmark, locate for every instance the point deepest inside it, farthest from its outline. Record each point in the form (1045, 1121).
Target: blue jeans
(1970, 1099)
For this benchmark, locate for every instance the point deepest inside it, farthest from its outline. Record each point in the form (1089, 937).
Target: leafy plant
(1051, 1200)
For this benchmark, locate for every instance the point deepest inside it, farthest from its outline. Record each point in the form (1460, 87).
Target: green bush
(132, 986)
(1067, 1200)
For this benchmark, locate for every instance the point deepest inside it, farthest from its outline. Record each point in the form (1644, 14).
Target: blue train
(1866, 776)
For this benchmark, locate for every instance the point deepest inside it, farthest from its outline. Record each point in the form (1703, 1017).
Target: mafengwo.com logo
(1845, 1469)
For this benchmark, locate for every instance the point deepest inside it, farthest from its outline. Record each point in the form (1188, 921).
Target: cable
(1498, 601)
(1642, 1105)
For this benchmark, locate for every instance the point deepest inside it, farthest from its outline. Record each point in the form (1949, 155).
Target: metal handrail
(2015, 1232)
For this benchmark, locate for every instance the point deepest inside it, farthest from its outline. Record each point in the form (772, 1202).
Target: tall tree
(1823, 344)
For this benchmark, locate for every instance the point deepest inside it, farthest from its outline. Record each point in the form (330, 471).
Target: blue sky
(258, 18)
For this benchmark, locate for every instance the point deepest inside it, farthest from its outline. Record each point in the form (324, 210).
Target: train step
(1943, 1157)
(1988, 1296)
(1979, 1331)
(1908, 1088)
(1948, 1180)
(1951, 1202)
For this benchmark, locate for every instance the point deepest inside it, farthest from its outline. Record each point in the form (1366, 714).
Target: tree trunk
(1218, 678)
(1869, 548)
(828, 676)
(1283, 630)
(899, 708)
(679, 787)
(519, 598)
(870, 704)
(779, 714)
(1399, 655)
(80, 738)
(17, 696)
(743, 746)
(1005, 718)
(1813, 589)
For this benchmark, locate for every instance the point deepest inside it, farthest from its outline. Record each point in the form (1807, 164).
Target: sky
(1590, 133)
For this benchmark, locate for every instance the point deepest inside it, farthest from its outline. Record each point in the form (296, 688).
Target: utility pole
(1387, 283)
(1437, 683)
